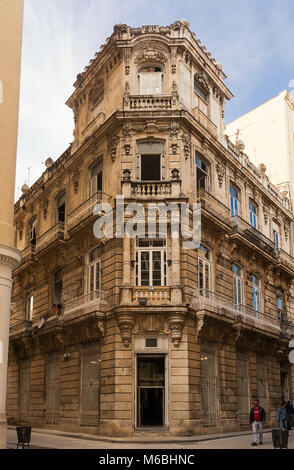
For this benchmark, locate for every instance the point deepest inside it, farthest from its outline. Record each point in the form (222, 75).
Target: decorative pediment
(150, 54)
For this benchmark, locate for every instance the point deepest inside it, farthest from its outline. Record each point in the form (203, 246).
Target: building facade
(268, 134)
(11, 14)
(120, 335)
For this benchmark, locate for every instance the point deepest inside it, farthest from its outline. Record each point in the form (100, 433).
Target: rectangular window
(201, 173)
(203, 277)
(237, 286)
(60, 205)
(150, 83)
(33, 232)
(200, 91)
(96, 178)
(256, 293)
(94, 270)
(234, 202)
(252, 214)
(151, 264)
(29, 307)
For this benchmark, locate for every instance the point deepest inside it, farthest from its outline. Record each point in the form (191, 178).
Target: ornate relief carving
(176, 323)
(152, 322)
(186, 139)
(45, 208)
(19, 228)
(126, 324)
(112, 146)
(150, 54)
(221, 173)
(174, 134)
(265, 214)
(202, 79)
(175, 95)
(128, 135)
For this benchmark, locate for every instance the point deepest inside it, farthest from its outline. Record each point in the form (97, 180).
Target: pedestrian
(257, 419)
(282, 416)
(290, 411)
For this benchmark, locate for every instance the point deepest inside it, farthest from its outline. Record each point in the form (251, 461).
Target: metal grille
(242, 388)
(208, 384)
(52, 388)
(90, 384)
(24, 389)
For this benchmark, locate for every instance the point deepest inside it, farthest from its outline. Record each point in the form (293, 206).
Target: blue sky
(253, 39)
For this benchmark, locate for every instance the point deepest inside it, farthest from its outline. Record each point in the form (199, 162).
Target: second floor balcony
(148, 102)
(84, 211)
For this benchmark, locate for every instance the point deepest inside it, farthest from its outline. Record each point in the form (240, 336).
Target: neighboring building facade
(268, 134)
(121, 335)
(11, 14)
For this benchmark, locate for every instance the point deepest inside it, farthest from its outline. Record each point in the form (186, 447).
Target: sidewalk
(53, 439)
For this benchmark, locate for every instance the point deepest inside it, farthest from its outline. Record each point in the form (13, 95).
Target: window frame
(159, 73)
(151, 249)
(202, 160)
(206, 265)
(256, 293)
(238, 282)
(29, 306)
(62, 198)
(234, 200)
(93, 264)
(253, 214)
(99, 164)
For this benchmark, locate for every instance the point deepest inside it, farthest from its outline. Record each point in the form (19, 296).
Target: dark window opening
(33, 233)
(150, 168)
(60, 203)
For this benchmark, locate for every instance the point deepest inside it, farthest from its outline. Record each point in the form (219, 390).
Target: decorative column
(126, 295)
(11, 14)
(176, 288)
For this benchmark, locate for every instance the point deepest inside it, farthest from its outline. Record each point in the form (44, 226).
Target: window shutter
(138, 167)
(163, 167)
(98, 274)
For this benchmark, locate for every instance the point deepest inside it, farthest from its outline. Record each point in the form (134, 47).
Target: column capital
(10, 256)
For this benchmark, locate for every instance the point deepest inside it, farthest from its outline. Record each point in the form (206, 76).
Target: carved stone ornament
(176, 323)
(265, 214)
(200, 78)
(112, 146)
(286, 230)
(19, 228)
(175, 95)
(126, 325)
(150, 54)
(127, 132)
(186, 139)
(174, 133)
(221, 173)
(45, 208)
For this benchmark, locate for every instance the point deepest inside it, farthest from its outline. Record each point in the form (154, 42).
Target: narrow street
(50, 440)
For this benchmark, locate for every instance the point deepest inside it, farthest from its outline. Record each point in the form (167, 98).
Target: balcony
(221, 307)
(20, 329)
(85, 304)
(151, 296)
(254, 238)
(83, 211)
(54, 234)
(151, 189)
(148, 102)
(205, 121)
(285, 261)
(212, 206)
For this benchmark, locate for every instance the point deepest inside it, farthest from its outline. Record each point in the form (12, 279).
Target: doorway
(150, 390)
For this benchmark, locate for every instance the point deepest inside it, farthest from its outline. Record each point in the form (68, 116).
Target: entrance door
(90, 384)
(150, 390)
(52, 388)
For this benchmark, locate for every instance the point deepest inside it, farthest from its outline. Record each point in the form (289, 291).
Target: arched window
(150, 80)
(204, 271)
(237, 286)
(276, 235)
(96, 177)
(29, 308)
(234, 200)
(256, 292)
(33, 232)
(252, 213)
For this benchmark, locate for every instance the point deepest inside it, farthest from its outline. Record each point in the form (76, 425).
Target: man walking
(257, 419)
(282, 416)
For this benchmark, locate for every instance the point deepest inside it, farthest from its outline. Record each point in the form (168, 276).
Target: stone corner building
(117, 335)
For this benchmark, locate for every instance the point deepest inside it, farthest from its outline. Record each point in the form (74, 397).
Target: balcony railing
(285, 259)
(154, 295)
(148, 102)
(28, 254)
(23, 328)
(96, 300)
(53, 234)
(83, 211)
(214, 206)
(252, 235)
(205, 121)
(219, 304)
(148, 189)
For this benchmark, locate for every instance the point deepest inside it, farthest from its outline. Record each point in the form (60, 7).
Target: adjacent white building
(268, 134)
